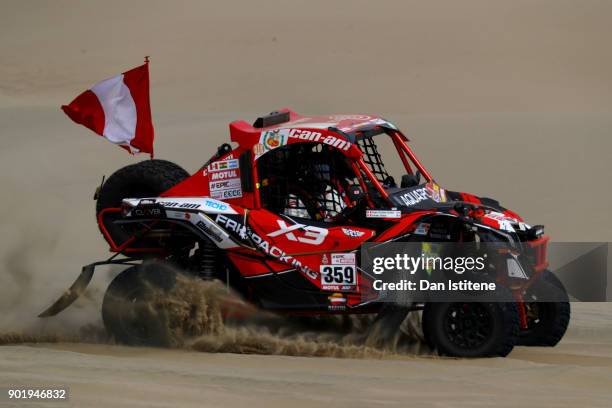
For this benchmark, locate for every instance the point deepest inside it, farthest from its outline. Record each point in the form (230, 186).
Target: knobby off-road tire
(130, 311)
(145, 179)
(460, 329)
(547, 321)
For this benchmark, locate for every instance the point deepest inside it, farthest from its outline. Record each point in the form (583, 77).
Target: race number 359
(338, 275)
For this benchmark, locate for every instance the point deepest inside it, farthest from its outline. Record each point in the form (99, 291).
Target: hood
(430, 196)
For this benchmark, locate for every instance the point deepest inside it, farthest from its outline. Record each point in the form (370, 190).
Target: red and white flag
(118, 109)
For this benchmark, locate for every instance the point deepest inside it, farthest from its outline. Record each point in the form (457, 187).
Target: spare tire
(145, 179)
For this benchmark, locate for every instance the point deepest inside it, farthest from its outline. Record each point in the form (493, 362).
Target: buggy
(281, 217)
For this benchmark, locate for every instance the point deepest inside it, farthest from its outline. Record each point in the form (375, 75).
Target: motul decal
(222, 175)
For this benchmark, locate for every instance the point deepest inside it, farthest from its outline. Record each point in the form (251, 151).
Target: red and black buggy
(281, 216)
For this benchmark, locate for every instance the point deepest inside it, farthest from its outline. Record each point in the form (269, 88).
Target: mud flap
(72, 293)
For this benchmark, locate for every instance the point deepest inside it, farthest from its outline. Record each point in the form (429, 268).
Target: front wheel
(471, 329)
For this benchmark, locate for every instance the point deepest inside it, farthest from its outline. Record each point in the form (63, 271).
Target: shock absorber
(208, 260)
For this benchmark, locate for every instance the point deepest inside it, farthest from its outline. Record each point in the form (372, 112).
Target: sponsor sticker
(436, 193)
(383, 214)
(211, 230)
(352, 233)
(415, 196)
(430, 191)
(211, 205)
(343, 259)
(223, 165)
(224, 175)
(337, 302)
(224, 179)
(422, 229)
(191, 203)
(504, 223)
(225, 184)
(311, 136)
(226, 194)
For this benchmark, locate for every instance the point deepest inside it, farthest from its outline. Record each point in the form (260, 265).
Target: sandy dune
(506, 99)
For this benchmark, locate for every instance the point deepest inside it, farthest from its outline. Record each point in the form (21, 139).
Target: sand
(511, 100)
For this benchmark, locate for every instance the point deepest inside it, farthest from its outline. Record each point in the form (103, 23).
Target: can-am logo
(318, 137)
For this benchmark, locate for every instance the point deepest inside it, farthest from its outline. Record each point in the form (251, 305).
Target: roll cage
(362, 158)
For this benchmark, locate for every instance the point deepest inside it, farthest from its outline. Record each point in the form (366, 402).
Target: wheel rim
(468, 325)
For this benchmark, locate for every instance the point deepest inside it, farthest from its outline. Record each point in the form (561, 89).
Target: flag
(118, 109)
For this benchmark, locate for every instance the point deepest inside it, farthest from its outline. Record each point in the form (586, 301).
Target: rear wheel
(461, 329)
(129, 308)
(546, 321)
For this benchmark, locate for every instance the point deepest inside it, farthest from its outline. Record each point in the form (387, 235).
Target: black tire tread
(511, 327)
(166, 173)
(551, 335)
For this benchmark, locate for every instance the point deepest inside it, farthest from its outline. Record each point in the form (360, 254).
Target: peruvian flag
(118, 109)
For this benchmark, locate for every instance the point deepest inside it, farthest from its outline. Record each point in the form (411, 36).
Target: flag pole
(151, 155)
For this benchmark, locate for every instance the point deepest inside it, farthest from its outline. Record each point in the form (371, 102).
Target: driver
(307, 181)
